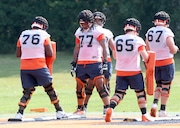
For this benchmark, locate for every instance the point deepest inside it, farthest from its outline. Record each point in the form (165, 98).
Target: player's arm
(18, 49)
(102, 40)
(147, 45)
(112, 47)
(76, 50)
(143, 53)
(172, 47)
(48, 47)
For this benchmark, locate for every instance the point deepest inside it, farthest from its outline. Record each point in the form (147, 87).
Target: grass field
(11, 90)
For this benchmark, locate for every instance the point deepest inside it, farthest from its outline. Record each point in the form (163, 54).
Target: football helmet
(132, 24)
(100, 15)
(162, 15)
(85, 16)
(40, 22)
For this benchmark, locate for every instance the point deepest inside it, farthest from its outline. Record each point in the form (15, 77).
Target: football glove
(104, 67)
(73, 68)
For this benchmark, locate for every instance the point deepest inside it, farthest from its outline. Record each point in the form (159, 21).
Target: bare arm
(102, 43)
(144, 55)
(172, 47)
(48, 50)
(18, 51)
(147, 45)
(76, 52)
(111, 45)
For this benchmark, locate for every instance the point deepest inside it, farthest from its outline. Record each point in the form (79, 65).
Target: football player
(100, 19)
(87, 59)
(129, 47)
(33, 46)
(160, 39)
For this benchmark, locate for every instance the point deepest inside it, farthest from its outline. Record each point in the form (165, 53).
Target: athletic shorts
(164, 73)
(85, 71)
(134, 82)
(39, 77)
(108, 74)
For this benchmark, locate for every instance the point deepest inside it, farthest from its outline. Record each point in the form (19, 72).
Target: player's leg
(94, 71)
(28, 88)
(88, 90)
(164, 98)
(81, 95)
(81, 78)
(163, 90)
(49, 89)
(44, 78)
(157, 95)
(27, 93)
(107, 76)
(157, 92)
(102, 90)
(120, 91)
(137, 83)
(167, 77)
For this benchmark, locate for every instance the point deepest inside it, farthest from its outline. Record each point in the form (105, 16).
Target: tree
(17, 16)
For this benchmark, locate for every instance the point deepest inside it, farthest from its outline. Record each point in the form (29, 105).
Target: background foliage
(17, 15)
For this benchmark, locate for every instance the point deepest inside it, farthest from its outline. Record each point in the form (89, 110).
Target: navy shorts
(39, 77)
(108, 74)
(164, 73)
(134, 82)
(85, 71)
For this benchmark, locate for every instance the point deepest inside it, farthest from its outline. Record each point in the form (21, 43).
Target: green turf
(11, 90)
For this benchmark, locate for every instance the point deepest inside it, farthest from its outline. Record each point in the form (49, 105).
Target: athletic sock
(163, 107)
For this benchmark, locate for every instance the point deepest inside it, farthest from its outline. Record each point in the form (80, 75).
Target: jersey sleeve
(47, 41)
(77, 40)
(168, 33)
(100, 37)
(18, 43)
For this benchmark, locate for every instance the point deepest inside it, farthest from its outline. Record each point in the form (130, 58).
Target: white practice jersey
(90, 49)
(108, 35)
(32, 43)
(127, 54)
(157, 41)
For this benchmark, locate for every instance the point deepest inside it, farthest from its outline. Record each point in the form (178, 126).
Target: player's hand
(73, 68)
(104, 68)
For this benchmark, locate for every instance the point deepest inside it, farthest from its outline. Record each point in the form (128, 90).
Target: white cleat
(61, 115)
(78, 114)
(162, 113)
(19, 116)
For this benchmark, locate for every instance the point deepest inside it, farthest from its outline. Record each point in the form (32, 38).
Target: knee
(118, 96)
(141, 96)
(80, 89)
(49, 89)
(89, 87)
(27, 93)
(165, 90)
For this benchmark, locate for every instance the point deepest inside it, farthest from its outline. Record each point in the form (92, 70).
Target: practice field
(93, 120)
